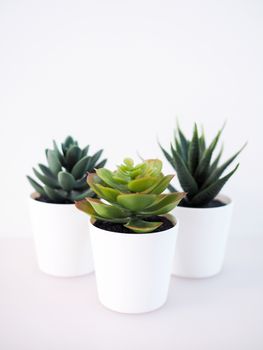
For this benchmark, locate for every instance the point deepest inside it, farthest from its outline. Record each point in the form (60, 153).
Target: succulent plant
(63, 180)
(198, 173)
(130, 195)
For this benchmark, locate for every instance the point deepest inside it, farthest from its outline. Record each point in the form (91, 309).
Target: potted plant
(204, 214)
(61, 235)
(133, 241)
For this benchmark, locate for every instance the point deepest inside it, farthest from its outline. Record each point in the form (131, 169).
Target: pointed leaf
(79, 195)
(203, 166)
(72, 157)
(142, 184)
(66, 180)
(105, 210)
(136, 202)
(85, 151)
(58, 153)
(53, 162)
(219, 171)
(36, 186)
(168, 157)
(107, 193)
(187, 181)
(141, 226)
(107, 176)
(79, 169)
(166, 199)
(161, 185)
(85, 206)
(46, 171)
(94, 160)
(101, 164)
(209, 193)
(54, 195)
(47, 180)
(193, 151)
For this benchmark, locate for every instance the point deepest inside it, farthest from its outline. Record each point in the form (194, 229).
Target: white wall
(115, 73)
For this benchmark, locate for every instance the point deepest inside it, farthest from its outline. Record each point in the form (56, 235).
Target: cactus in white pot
(61, 235)
(204, 213)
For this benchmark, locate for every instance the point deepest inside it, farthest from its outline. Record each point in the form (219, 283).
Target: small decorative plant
(131, 196)
(63, 180)
(199, 174)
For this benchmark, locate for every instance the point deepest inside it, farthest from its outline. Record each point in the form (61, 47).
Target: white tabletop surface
(42, 312)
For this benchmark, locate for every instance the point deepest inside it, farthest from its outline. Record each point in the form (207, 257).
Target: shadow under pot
(61, 238)
(133, 270)
(202, 239)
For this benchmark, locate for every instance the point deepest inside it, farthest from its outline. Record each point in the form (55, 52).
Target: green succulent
(63, 179)
(199, 174)
(130, 195)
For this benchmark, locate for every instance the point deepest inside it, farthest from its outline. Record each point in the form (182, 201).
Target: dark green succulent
(130, 195)
(199, 174)
(63, 179)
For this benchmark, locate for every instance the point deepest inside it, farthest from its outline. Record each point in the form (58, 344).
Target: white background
(115, 74)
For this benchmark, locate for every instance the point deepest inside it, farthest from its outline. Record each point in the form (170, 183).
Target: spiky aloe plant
(131, 194)
(63, 180)
(199, 174)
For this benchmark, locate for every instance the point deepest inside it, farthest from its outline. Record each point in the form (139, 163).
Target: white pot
(133, 270)
(61, 238)
(202, 238)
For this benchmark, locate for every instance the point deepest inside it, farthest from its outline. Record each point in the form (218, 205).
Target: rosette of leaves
(200, 174)
(130, 194)
(63, 179)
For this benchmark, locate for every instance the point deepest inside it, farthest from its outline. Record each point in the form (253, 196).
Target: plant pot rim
(169, 216)
(221, 197)
(33, 197)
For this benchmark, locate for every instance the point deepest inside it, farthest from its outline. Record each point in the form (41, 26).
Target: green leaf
(79, 168)
(53, 162)
(216, 161)
(193, 151)
(94, 160)
(183, 142)
(136, 201)
(72, 156)
(203, 166)
(208, 194)
(142, 184)
(86, 207)
(107, 193)
(81, 184)
(186, 180)
(107, 176)
(101, 164)
(161, 185)
(58, 153)
(54, 195)
(46, 171)
(85, 151)
(219, 171)
(164, 200)
(79, 195)
(105, 210)
(153, 167)
(66, 180)
(168, 157)
(36, 186)
(68, 141)
(141, 226)
(47, 180)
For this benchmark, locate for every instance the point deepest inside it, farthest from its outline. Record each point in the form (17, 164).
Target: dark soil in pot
(213, 204)
(46, 200)
(114, 227)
